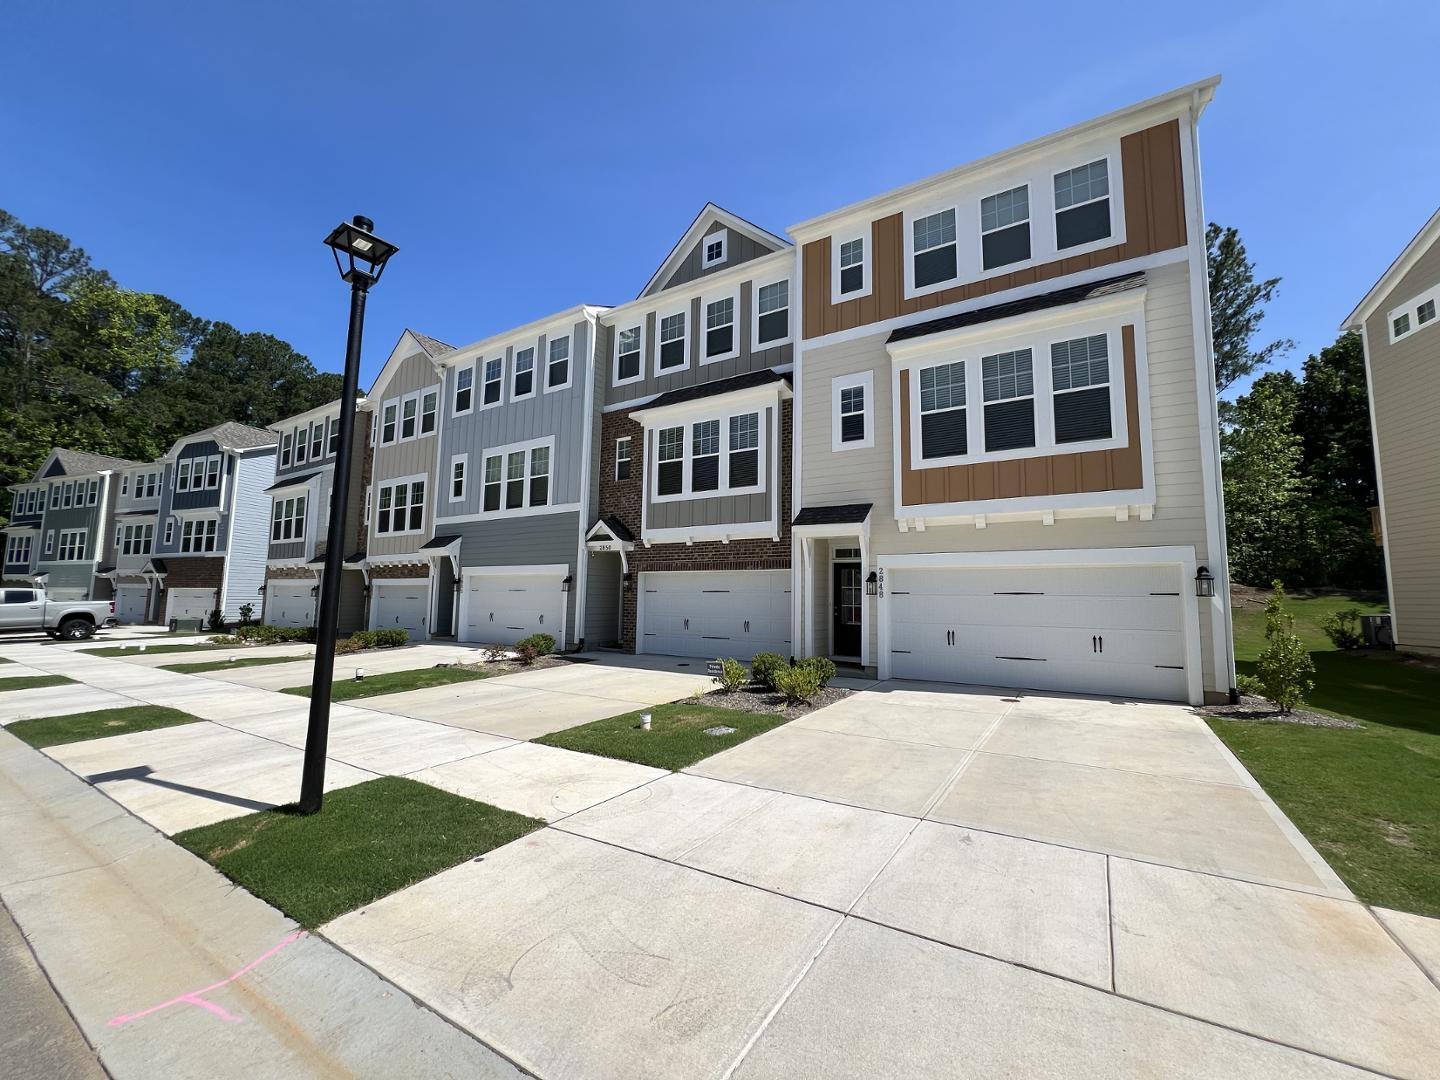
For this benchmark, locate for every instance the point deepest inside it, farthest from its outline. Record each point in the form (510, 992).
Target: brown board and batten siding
(1154, 221)
(1055, 474)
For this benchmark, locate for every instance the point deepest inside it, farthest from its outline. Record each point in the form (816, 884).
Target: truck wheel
(76, 629)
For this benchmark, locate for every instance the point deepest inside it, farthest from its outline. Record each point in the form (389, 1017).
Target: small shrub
(247, 614)
(1343, 629)
(1285, 667)
(529, 649)
(763, 667)
(823, 667)
(493, 654)
(1249, 685)
(225, 639)
(733, 675)
(274, 635)
(217, 619)
(798, 684)
(390, 638)
(346, 646)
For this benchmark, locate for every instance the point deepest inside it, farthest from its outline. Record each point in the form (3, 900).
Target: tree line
(90, 365)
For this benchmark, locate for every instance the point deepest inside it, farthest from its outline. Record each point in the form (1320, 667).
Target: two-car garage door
(714, 613)
(1086, 629)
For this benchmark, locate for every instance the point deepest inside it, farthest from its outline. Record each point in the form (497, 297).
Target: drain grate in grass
(221, 665)
(679, 734)
(81, 727)
(394, 682)
(33, 682)
(366, 842)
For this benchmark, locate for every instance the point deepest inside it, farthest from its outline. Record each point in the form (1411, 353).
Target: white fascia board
(1428, 235)
(467, 354)
(710, 214)
(643, 305)
(768, 394)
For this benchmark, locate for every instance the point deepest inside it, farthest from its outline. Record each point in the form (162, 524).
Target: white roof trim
(1404, 262)
(464, 354)
(709, 215)
(398, 356)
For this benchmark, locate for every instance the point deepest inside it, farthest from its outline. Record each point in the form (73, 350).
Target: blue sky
(526, 158)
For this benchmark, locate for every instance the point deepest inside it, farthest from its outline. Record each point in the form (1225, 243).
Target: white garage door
(501, 609)
(130, 603)
(714, 614)
(1090, 630)
(189, 604)
(401, 603)
(289, 603)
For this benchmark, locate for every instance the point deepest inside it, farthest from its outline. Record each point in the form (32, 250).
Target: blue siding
(249, 531)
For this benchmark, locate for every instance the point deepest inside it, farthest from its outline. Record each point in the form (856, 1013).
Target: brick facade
(415, 569)
(193, 573)
(622, 498)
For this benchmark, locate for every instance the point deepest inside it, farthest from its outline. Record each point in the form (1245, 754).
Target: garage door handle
(687, 624)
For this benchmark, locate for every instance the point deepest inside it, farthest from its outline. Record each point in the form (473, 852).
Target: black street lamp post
(364, 258)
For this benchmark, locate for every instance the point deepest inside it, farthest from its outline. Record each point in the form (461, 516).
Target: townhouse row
(961, 431)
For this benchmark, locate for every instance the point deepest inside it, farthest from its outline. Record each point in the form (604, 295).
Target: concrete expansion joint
(1434, 977)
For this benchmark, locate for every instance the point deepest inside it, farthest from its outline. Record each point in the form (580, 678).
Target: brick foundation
(190, 573)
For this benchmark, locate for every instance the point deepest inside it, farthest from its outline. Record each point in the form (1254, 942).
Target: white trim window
(429, 408)
(389, 422)
(169, 531)
(852, 411)
(302, 445)
(705, 456)
(557, 363)
(492, 390)
(772, 313)
(17, 550)
(317, 440)
(463, 402)
(713, 248)
(691, 461)
(212, 472)
(333, 446)
(50, 543)
(742, 463)
(152, 482)
(197, 535)
(409, 416)
(943, 411)
(92, 493)
(124, 487)
(365, 514)
(287, 443)
(400, 507)
(517, 477)
(629, 353)
(524, 374)
(67, 494)
(934, 252)
(1413, 315)
(1008, 389)
(851, 270)
(1005, 228)
(670, 461)
(182, 475)
(1082, 205)
(458, 465)
(622, 457)
(287, 520)
(721, 342)
(137, 539)
(72, 545)
(1080, 389)
(673, 353)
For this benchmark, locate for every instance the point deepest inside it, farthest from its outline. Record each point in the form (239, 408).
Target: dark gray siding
(602, 598)
(739, 248)
(524, 541)
(194, 500)
(725, 510)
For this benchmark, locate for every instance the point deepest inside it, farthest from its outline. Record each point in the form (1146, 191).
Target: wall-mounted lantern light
(872, 584)
(565, 585)
(627, 580)
(1204, 582)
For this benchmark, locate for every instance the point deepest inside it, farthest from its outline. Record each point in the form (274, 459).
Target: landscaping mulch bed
(1259, 710)
(756, 699)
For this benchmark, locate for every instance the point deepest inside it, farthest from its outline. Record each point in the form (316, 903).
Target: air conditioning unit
(1377, 630)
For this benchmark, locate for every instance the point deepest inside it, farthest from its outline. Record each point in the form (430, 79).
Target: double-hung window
(516, 477)
(1082, 204)
(515, 480)
(934, 248)
(493, 469)
(539, 476)
(50, 543)
(1008, 385)
(524, 373)
(744, 457)
(124, 487)
(301, 445)
(198, 534)
(182, 476)
(852, 266)
(494, 381)
(464, 389)
(942, 410)
(1080, 383)
(705, 455)
(92, 493)
(400, 507)
(622, 458)
(287, 442)
(429, 405)
(720, 328)
(457, 477)
(409, 408)
(334, 443)
(772, 312)
(670, 455)
(557, 366)
(627, 353)
(388, 419)
(850, 414)
(18, 551)
(672, 341)
(1005, 227)
(287, 520)
(72, 545)
(212, 471)
(317, 440)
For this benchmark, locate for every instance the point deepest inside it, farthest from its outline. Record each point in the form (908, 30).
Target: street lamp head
(360, 255)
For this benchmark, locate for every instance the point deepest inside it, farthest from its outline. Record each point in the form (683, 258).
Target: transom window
(942, 410)
(852, 266)
(1082, 204)
(672, 341)
(622, 458)
(524, 373)
(934, 239)
(198, 534)
(1008, 383)
(464, 389)
(494, 378)
(517, 478)
(400, 507)
(287, 519)
(1080, 381)
(627, 353)
(1005, 227)
(1414, 314)
(557, 370)
(772, 312)
(720, 327)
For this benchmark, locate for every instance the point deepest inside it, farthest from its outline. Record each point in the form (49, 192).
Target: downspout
(104, 533)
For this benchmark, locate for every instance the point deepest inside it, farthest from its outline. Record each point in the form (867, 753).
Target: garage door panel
(130, 603)
(716, 614)
(501, 609)
(401, 606)
(190, 604)
(290, 604)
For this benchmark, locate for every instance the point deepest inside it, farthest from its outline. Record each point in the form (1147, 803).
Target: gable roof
(1420, 243)
(79, 462)
(229, 436)
(432, 348)
(710, 214)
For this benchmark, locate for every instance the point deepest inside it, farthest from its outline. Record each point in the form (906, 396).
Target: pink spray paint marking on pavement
(196, 997)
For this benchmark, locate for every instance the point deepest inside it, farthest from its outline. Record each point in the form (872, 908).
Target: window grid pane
(672, 444)
(1082, 184)
(672, 327)
(1007, 375)
(1079, 363)
(745, 432)
(773, 297)
(935, 230)
(852, 253)
(1007, 208)
(942, 387)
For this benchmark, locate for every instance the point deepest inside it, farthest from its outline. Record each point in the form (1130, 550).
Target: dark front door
(848, 594)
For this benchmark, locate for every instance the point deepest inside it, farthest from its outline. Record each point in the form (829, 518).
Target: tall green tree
(1237, 308)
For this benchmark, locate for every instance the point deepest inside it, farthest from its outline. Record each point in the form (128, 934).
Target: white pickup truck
(30, 609)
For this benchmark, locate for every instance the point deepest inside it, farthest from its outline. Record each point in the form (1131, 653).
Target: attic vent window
(713, 253)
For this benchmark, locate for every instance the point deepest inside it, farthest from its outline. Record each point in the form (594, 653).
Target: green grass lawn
(150, 650)
(676, 738)
(366, 842)
(79, 727)
(1309, 613)
(345, 689)
(1368, 799)
(220, 665)
(32, 682)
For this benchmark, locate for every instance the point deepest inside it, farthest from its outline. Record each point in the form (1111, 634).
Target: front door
(847, 597)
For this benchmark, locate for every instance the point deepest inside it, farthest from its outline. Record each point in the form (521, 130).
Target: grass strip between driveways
(151, 650)
(366, 842)
(676, 738)
(1368, 798)
(100, 724)
(393, 682)
(221, 665)
(33, 682)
